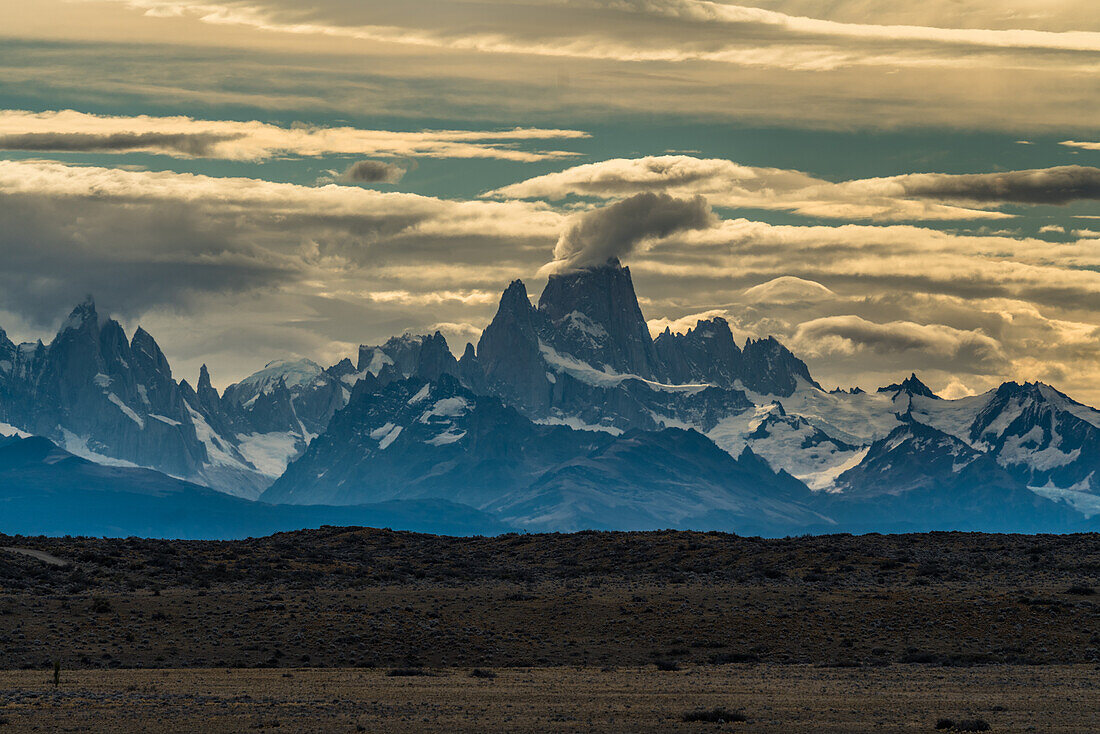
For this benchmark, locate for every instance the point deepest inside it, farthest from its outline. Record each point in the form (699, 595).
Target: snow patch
(386, 434)
(78, 446)
(381, 431)
(446, 408)
(6, 429)
(420, 395)
(216, 451)
(578, 424)
(127, 410)
(1086, 503)
(164, 419)
(378, 360)
(269, 452)
(389, 438)
(580, 322)
(825, 480)
(445, 438)
(607, 377)
(353, 378)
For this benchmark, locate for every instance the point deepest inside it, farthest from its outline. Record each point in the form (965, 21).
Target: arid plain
(345, 629)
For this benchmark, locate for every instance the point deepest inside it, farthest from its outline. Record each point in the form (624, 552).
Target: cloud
(71, 131)
(1018, 92)
(946, 346)
(1080, 144)
(616, 230)
(787, 289)
(730, 184)
(1052, 229)
(1058, 185)
(198, 145)
(458, 335)
(373, 172)
(684, 323)
(143, 240)
(693, 30)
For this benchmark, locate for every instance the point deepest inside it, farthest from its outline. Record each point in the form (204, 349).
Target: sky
(886, 186)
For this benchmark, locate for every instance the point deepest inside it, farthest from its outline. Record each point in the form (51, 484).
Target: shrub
(1081, 590)
(716, 715)
(972, 725)
(669, 665)
(481, 673)
(945, 724)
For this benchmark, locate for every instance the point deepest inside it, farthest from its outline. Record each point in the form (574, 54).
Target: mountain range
(566, 415)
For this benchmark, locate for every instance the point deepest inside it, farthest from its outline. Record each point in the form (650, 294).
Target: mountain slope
(920, 479)
(45, 490)
(412, 438)
(668, 479)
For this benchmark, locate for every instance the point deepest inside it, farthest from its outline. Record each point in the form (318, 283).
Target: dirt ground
(788, 698)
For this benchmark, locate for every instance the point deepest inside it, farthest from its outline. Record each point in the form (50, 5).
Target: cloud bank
(609, 30)
(239, 271)
(910, 197)
(71, 131)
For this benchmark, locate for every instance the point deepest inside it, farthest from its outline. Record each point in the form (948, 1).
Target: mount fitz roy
(565, 416)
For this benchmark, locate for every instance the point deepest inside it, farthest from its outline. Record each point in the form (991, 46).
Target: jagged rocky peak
(204, 378)
(913, 455)
(593, 314)
(344, 367)
(435, 358)
(515, 303)
(409, 355)
(83, 316)
(706, 352)
(209, 400)
(509, 359)
(770, 368)
(148, 356)
(512, 329)
(9, 353)
(911, 385)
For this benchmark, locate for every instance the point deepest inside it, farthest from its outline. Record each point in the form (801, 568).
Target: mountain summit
(593, 314)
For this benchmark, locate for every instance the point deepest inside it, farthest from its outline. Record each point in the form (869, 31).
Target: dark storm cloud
(1059, 185)
(369, 171)
(618, 229)
(191, 144)
(131, 257)
(143, 240)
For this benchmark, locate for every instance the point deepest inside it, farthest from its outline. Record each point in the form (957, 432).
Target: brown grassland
(345, 629)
